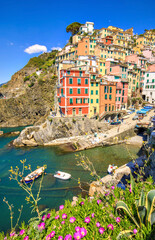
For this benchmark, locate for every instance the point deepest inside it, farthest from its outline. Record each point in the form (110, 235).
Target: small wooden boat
(62, 175)
(112, 168)
(33, 175)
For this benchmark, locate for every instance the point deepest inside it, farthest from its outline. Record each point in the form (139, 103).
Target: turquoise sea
(54, 192)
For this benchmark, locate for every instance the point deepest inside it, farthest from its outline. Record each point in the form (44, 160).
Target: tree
(73, 27)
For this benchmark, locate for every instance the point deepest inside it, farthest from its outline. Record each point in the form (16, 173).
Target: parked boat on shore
(62, 175)
(33, 175)
(111, 168)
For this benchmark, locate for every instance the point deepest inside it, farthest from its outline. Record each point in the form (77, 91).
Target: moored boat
(115, 123)
(33, 175)
(111, 168)
(62, 175)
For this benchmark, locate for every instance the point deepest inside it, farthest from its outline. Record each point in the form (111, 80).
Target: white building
(149, 87)
(88, 27)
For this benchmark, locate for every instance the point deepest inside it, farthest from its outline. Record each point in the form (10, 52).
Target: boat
(115, 123)
(62, 175)
(33, 175)
(111, 168)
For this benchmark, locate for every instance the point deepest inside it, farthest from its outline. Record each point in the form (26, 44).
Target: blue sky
(24, 23)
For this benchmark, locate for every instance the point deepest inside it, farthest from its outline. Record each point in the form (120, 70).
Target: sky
(30, 27)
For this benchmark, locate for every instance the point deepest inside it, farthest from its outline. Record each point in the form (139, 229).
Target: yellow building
(94, 96)
(101, 66)
(92, 45)
(120, 40)
(141, 42)
(76, 38)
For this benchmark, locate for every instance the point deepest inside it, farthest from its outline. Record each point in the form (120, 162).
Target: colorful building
(73, 92)
(94, 94)
(107, 96)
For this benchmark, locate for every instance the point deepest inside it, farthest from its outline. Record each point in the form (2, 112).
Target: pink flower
(68, 237)
(22, 232)
(112, 187)
(98, 224)
(110, 226)
(93, 215)
(82, 203)
(48, 216)
(48, 237)
(72, 219)
(87, 220)
(77, 229)
(98, 201)
(57, 217)
(52, 234)
(26, 238)
(135, 231)
(63, 222)
(118, 219)
(130, 190)
(64, 216)
(60, 238)
(61, 207)
(83, 232)
(77, 235)
(12, 234)
(101, 230)
(41, 226)
(43, 218)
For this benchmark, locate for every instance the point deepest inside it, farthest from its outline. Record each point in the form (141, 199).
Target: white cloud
(36, 48)
(56, 48)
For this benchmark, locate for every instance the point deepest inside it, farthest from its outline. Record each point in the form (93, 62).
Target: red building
(73, 92)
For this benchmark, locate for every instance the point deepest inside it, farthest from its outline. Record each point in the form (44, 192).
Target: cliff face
(28, 97)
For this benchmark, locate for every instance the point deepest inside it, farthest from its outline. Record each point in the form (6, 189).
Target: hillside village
(101, 71)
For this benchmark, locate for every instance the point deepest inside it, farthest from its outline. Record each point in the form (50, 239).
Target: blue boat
(115, 123)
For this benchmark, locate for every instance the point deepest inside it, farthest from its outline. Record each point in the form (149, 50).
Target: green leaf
(153, 217)
(142, 199)
(126, 233)
(122, 205)
(132, 182)
(141, 213)
(150, 198)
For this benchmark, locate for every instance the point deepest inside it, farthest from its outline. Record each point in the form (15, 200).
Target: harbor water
(54, 191)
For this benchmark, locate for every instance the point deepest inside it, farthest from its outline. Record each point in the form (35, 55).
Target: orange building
(82, 48)
(107, 96)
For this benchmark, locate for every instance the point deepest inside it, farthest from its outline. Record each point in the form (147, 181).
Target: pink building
(121, 94)
(136, 59)
(149, 55)
(151, 68)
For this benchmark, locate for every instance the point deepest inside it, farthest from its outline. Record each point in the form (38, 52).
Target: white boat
(33, 175)
(112, 168)
(62, 175)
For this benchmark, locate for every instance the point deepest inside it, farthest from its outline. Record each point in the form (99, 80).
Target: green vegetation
(35, 62)
(73, 28)
(95, 217)
(27, 78)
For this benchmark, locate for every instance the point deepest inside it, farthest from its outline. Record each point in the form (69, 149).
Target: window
(96, 92)
(110, 69)
(91, 100)
(106, 108)
(71, 100)
(119, 91)
(105, 89)
(79, 91)
(110, 89)
(68, 72)
(92, 84)
(86, 90)
(97, 100)
(80, 73)
(86, 81)
(116, 99)
(79, 81)
(71, 81)
(91, 92)
(96, 84)
(147, 80)
(147, 74)
(61, 91)
(123, 93)
(109, 107)
(100, 64)
(71, 91)
(152, 80)
(105, 96)
(110, 97)
(112, 107)
(119, 99)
